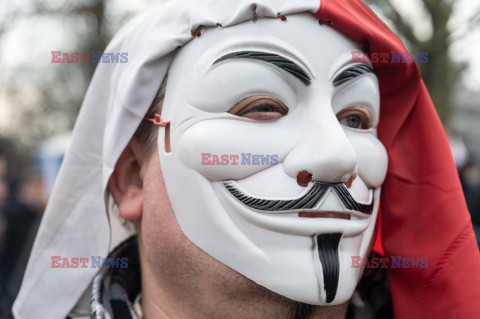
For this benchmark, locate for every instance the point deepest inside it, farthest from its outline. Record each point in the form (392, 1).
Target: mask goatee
(327, 245)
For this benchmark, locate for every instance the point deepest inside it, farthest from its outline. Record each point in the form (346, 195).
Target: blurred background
(40, 100)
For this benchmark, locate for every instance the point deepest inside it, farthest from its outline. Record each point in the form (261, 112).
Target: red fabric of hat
(424, 214)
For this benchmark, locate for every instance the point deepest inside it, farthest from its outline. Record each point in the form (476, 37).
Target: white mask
(248, 216)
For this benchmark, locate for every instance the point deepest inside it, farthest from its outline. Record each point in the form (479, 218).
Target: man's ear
(126, 182)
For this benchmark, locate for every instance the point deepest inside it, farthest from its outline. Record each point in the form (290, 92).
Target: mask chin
(306, 259)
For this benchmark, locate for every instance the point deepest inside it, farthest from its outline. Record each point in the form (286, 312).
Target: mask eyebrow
(351, 73)
(277, 60)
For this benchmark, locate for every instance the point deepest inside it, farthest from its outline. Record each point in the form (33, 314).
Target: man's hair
(146, 132)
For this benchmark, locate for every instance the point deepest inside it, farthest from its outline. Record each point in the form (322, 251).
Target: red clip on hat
(156, 120)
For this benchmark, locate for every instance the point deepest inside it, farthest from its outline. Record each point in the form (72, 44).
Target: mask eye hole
(260, 108)
(355, 117)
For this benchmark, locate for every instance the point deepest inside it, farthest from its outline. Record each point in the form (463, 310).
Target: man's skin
(179, 280)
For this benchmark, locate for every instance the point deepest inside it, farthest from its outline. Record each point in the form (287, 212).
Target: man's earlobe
(126, 185)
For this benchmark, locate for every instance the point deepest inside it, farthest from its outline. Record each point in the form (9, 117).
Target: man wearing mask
(255, 176)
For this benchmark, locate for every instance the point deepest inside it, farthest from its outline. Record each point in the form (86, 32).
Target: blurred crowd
(22, 202)
(470, 178)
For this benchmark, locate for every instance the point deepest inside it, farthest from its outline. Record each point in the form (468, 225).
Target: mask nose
(324, 154)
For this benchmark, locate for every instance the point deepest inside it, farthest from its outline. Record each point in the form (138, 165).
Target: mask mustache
(307, 201)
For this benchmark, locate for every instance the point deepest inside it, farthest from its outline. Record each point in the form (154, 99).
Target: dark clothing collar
(115, 290)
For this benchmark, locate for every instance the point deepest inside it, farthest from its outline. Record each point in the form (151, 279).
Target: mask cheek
(223, 149)
(372, 157)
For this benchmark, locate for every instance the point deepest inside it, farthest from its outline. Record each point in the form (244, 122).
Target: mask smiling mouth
(304, 204)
